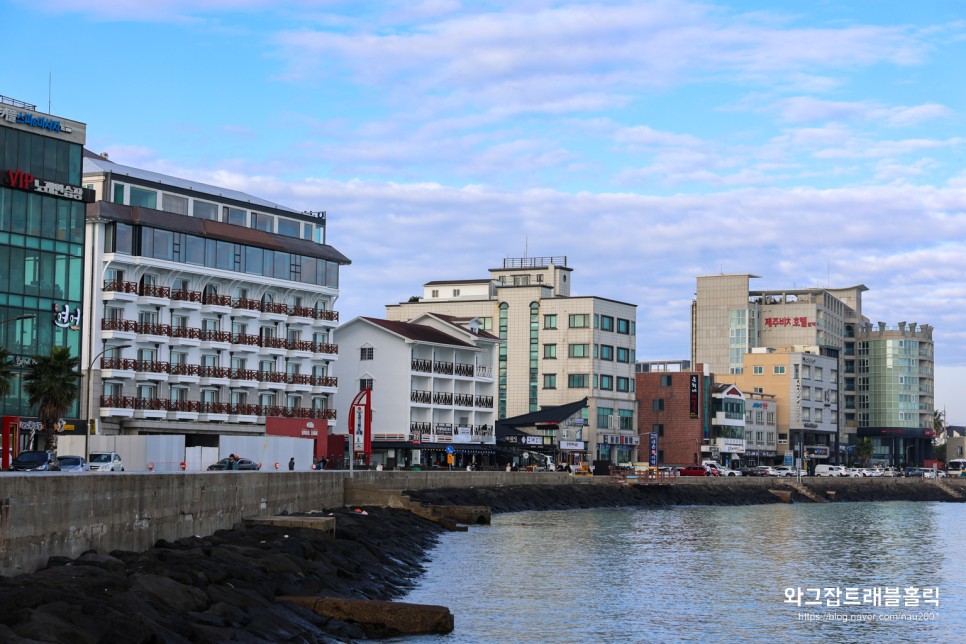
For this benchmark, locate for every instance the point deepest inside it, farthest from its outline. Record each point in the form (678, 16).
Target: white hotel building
(208, 309)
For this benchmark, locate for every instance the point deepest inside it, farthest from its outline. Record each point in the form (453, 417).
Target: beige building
(558, 348)
(805, 388)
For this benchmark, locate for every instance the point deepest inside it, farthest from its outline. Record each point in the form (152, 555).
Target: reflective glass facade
(41, 247)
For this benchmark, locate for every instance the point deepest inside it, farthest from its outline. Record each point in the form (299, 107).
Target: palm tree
(864, 450)
(6, 373)
(52, 386)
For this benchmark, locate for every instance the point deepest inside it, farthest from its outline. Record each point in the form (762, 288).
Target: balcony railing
(129, 326)
(463, 400)
(247, 304)
(213, 372)
(150, 290)
(148, 328)
(275, 307)
(417, 427)
(212, 335)
(215, 299)
(443, 398)
(424, 397)
(443, 367)
(484, 372)
(463, 369)
(484, 401)
(421, 364)
(119, 286)
(162, 404)
(185, 332)
(186, 296)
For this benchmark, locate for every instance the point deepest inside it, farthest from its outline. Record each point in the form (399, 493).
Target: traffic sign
(449, 449)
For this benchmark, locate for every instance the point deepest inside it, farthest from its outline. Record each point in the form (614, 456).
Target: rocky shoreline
(224, 587)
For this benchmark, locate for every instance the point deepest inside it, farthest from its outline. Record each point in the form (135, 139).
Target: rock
(381, 618)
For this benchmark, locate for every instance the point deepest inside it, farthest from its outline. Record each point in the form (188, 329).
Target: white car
(786, 470)
(929, 473)
(106, 462)
(722, 470)
(856, 472)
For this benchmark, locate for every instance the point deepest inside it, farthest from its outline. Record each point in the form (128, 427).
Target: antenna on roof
(49, 77)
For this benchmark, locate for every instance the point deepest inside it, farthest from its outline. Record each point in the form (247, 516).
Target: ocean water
(706, 573)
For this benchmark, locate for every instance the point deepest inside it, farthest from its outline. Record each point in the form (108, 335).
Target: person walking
(291, 464)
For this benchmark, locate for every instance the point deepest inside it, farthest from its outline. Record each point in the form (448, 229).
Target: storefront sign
(64, 319)
(572, 445)
(25, 181)
(652, 450)
(694, 396)
(33, 120)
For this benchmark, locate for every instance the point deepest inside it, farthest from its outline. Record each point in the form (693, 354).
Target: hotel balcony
(463, 369)
(421, 365)
(243, 378)
(274, 312)
(149, 295)
(151, 370)
(442, 398)
(117, 368)
(186, 336)
(118, 330)
(275, 346)
(484, 372)
(183, 409)
(445, 368)
(324, 384)
(211, 339)
(326, 318)
(326, 351)
(421, 397)
(462, 400)
(214, 376)
(184, 374)
(120, 291)
(190, 300)
(153, 333)
(246, 308)
(485, 402)
(128, 406)
(212, 303)
(272, 380)
(245, 342)
(298, 382)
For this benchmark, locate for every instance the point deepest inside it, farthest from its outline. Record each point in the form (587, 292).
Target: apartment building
(432, 385)
(559, 348)
(209, 309)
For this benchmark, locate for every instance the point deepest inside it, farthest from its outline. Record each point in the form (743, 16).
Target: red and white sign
(793, 322)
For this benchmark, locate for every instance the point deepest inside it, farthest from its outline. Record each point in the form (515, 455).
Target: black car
(35, 461)
(243, 464)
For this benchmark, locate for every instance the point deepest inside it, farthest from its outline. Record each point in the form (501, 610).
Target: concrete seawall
(45, 515)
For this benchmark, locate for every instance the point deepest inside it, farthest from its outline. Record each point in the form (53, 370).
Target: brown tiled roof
(418, 332)
(211, 230)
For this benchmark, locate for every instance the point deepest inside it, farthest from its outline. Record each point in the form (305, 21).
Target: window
(604, 415)
(657, 404)
(778, 370)
(782, 438)
(434, 292)
(288, 227)
(579, 321)
(263, 222)
(144, 198)
(456, 292)
(365, 353)
(236, 216)
(623, 355)
(666, 380)
(817, 375)
(365, 383)
(623, 384)
(623, 326)
(579, 350)
(657, 429)
(577, 381)
(549, 381)
(550, 321)
(606, 352)
(549, 352)
(606, 323)
(204, 210)
(758, 370)
(174, 203)
(626, 418)
(607, 382)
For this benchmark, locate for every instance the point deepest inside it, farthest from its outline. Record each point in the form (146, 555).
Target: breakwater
(212, 588)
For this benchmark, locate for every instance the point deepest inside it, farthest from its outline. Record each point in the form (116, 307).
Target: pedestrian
(232, 462)
(508, 467)
(291, 463)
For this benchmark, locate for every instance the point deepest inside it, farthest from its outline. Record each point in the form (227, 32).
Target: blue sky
(812, 144)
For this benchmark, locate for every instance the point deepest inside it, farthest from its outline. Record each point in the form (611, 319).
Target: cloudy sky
(812, 144)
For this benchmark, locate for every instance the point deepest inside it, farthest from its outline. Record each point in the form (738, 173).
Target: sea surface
(705, 574)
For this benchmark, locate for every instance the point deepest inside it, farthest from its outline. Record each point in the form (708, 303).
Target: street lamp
(87, 397)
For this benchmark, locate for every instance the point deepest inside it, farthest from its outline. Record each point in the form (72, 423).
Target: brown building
(676, 406)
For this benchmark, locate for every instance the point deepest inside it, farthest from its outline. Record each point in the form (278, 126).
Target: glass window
(254, 261)
(623, 326)
(288, 227)
(263, 222)
(550, 351)
(550, 321)
(778, 370)
(603, 417)
(174, 203)
(225, 255)
(758, 370)
(118, 193)
(143, 198)
(606, 323)
(365, 353)
(577, 380)
(606, 382)
(606, 352)
(579, 350)
(307, 231)
(579, 321)
(204, 210)
(623, 384)
(123, 238)
(196, 251)
(549, 381)
(236, 216)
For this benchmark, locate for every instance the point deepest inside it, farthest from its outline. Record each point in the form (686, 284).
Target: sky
(809, 143)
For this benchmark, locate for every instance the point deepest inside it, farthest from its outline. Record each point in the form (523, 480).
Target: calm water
(666, 575)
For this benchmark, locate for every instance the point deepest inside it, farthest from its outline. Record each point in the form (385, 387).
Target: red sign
(799, 322)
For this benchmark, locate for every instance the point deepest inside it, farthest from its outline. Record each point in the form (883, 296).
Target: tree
(52, 386)
(6, 373)
(939, 426)
(864, 450)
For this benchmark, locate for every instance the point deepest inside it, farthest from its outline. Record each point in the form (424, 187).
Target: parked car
(912, 472)
(763, 470)
(720, 470)
(929, 473)
(74, 464)
(829, 470)
(243, 464)
(786, 470)
(106, 462)
(856, 472)
(36, 460)
(694, 470)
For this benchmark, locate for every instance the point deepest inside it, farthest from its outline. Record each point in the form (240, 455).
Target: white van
(830, 470)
